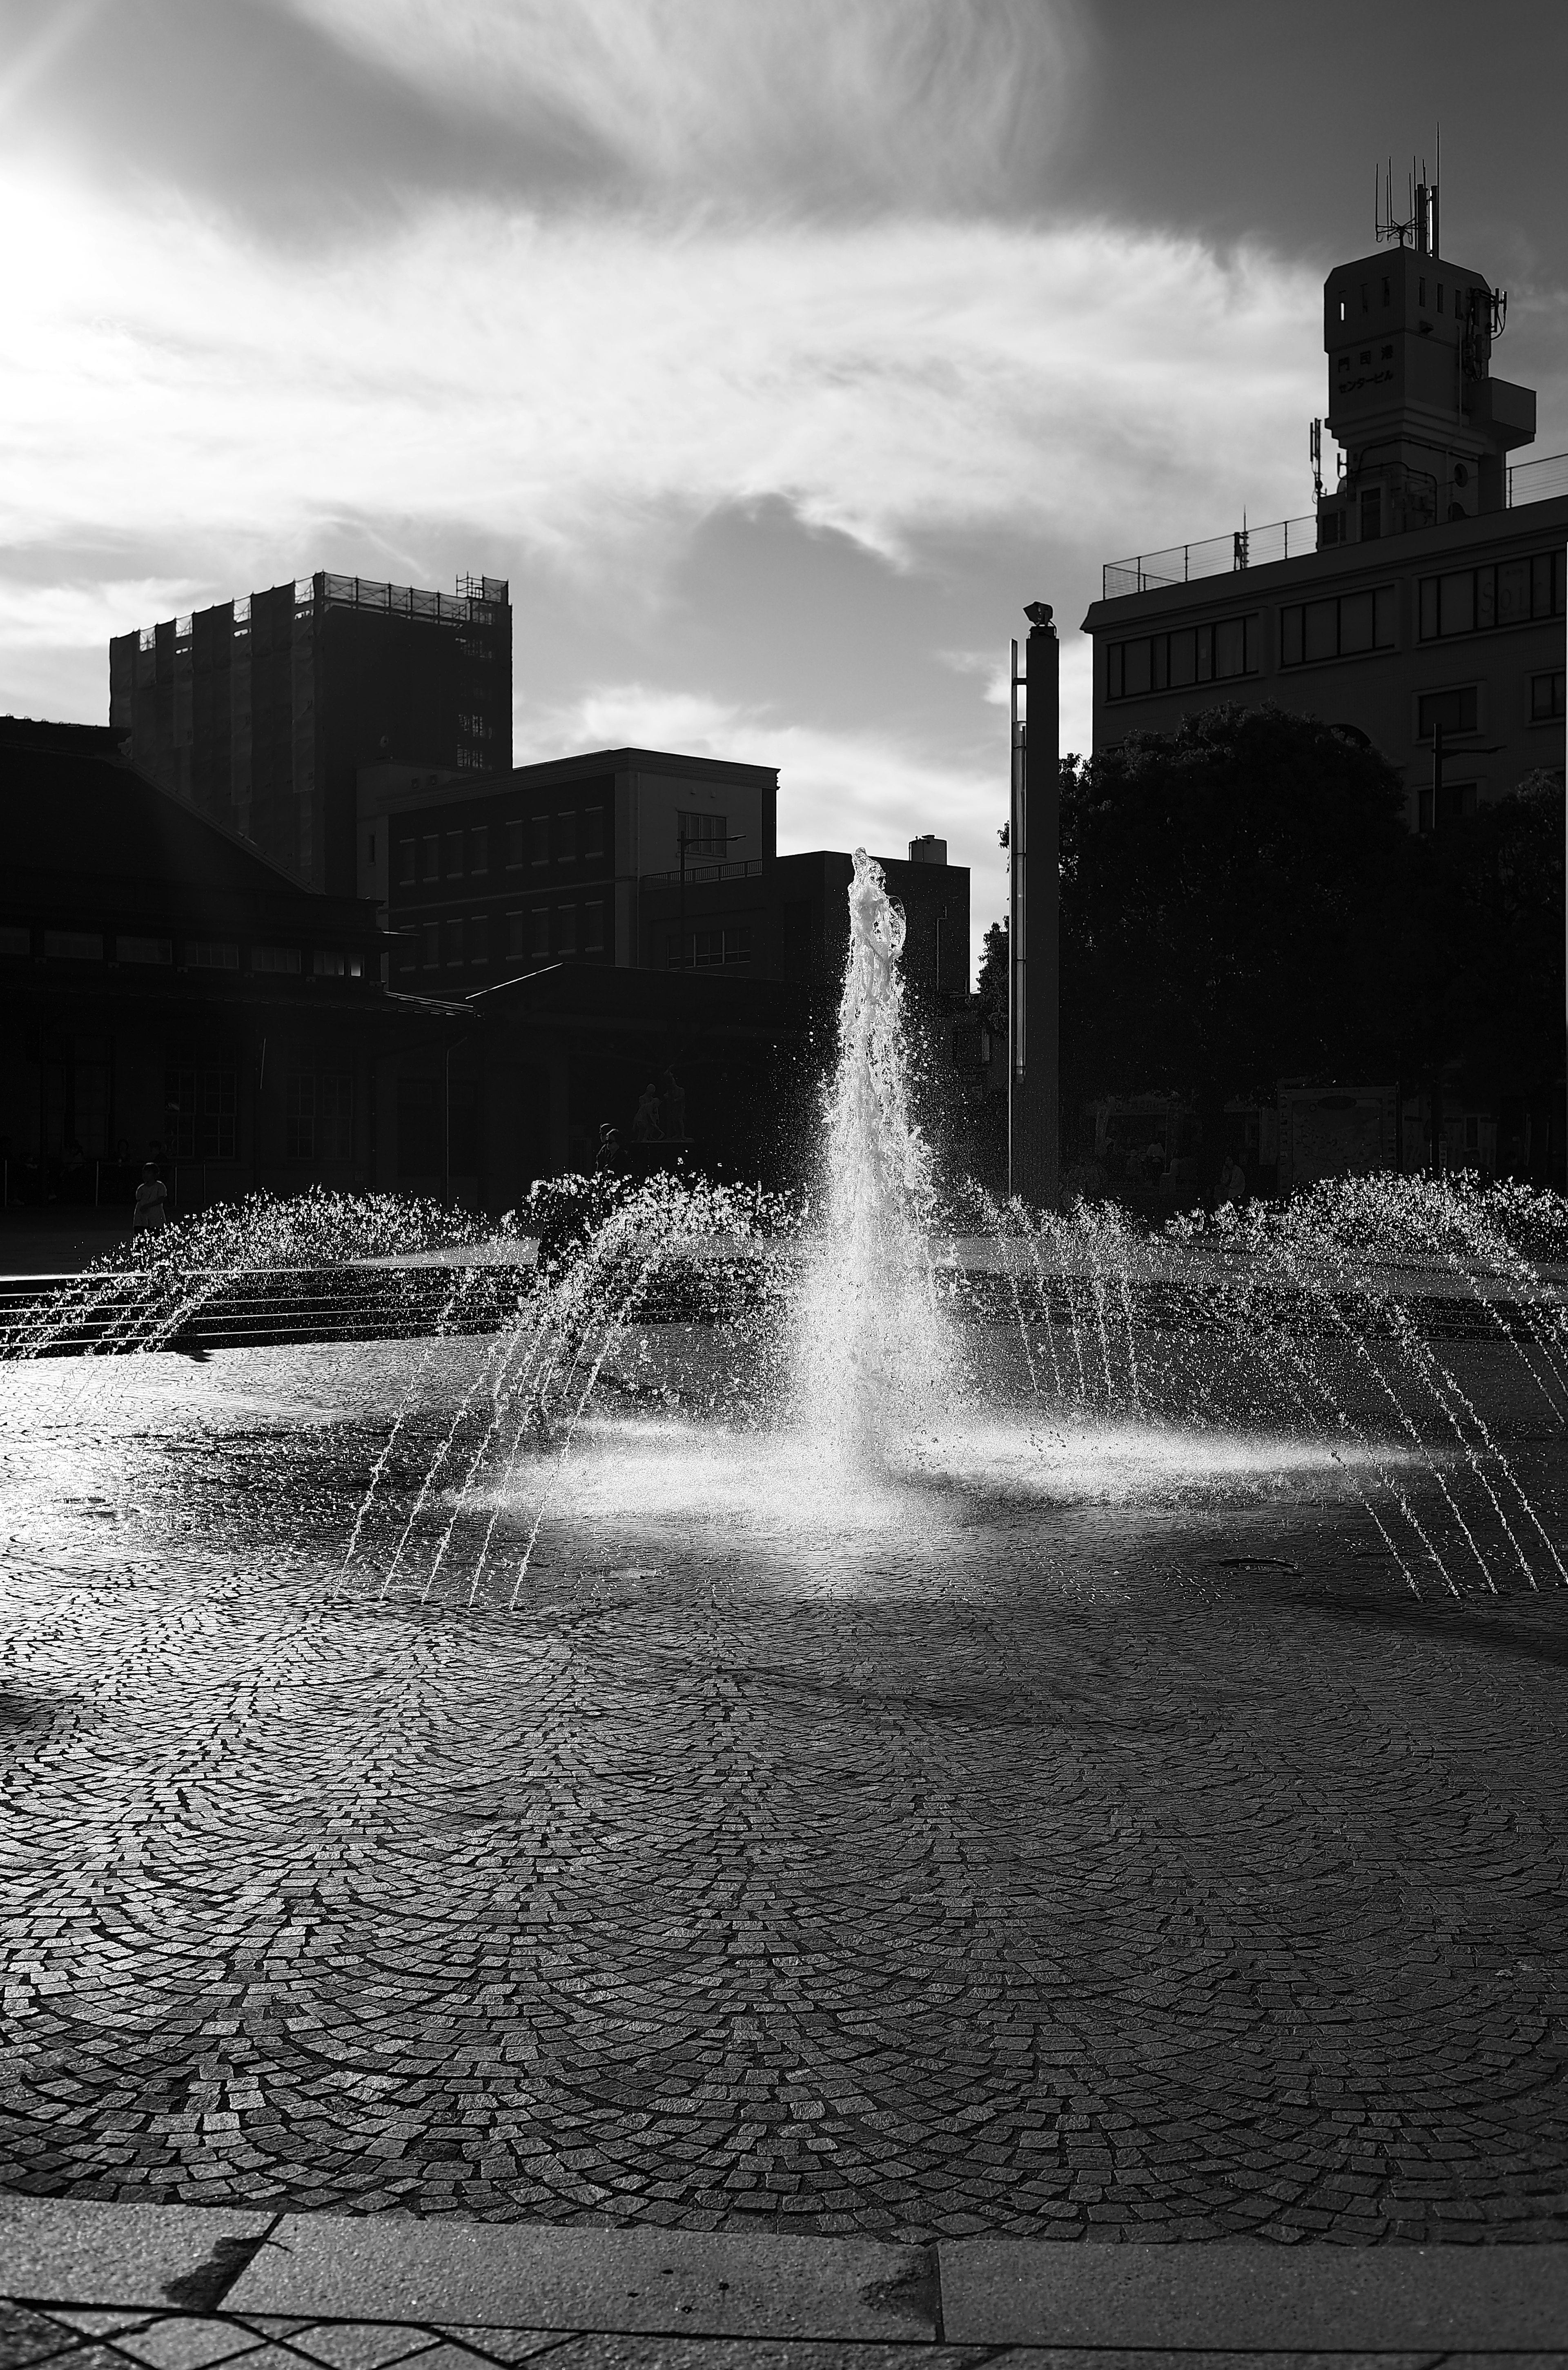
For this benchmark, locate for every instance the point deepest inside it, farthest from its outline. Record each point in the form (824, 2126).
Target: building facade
(1424, 595)
(164, 990)
(483, 882)
(258, 713)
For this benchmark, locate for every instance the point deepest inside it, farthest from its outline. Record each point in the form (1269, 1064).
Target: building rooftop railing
(1255, 546)
(743, 868)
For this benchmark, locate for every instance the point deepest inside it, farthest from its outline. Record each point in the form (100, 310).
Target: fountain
(827, 1373)
(894, 1713)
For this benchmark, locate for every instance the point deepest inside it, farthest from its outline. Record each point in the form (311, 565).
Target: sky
(776, 352)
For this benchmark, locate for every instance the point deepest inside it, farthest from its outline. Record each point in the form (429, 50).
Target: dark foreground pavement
(182, 2288)
(1011, 1869)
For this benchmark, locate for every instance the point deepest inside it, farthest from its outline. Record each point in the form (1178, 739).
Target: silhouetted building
(259, 712)
(1426, 590)
(161, 985)
(483, 880)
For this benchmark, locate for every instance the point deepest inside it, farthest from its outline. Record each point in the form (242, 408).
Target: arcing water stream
(705, 1361)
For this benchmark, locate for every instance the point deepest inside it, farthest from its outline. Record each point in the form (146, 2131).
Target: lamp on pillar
(1033, 917)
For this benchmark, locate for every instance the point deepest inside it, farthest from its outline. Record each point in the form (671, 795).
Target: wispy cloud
(572, 383)
(815, 103)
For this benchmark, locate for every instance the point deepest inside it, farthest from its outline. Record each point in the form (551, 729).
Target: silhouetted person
(672, 1107)
(1232, 1179)
(645, 1128)
(606, 1160)
(149, 1213)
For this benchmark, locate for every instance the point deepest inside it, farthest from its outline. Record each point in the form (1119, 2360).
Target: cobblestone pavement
(33, 2336)
(1012, 1865)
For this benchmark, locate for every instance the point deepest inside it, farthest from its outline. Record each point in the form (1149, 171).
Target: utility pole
(1034, 918)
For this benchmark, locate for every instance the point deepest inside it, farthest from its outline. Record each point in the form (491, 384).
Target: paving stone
(187, 2343)
(539, 2277)
(357, 2345)
(1240, 2294)
(1016, 1871)
(29, 2337)
(70, 2250)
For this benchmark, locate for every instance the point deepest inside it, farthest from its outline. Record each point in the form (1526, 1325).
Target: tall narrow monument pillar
(1034, 922)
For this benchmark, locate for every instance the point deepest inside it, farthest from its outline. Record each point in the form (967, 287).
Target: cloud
(579, 386)
(815, 103)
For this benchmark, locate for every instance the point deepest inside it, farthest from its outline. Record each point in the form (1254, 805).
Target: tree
(1228, 895)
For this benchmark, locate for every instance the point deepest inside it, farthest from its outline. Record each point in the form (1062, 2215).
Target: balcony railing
(1255, 546)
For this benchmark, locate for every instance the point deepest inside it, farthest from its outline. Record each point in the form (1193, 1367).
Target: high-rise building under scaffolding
(259, 712)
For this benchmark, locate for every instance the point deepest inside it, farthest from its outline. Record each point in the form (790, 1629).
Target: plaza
(1138, 1858)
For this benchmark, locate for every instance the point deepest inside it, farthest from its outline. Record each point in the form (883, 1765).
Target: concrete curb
(1218, 2295)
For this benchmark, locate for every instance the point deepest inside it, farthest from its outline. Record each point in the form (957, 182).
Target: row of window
(196, 954)
(1191, 654)
(1342, 628)
(1348, 625)
(707, 949)
(548, 932)
(201, 1107)
(1509, 592)
(573, 836)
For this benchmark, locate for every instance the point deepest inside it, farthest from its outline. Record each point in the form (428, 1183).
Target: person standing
(150, 1215)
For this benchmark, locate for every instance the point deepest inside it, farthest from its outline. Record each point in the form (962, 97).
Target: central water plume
(875, 1358)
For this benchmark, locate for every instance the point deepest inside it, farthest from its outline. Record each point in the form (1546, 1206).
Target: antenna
(1437, 178)
(1315, 446)
(1387, 224)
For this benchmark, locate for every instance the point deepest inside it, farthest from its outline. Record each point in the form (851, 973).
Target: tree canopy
(1228, 895)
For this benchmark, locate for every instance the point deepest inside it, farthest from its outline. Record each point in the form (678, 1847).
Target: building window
(1546, 698)
(566, 929)
(329, 962)
(200, 1101)
(479, 938)
(593, 927)
(1371, 505)
(732, 944)
(566, 838)
(285, 959)
(705, 836)
(516, 836)
(433, 945)
(77, 946)
(541, 934)
(517, 938)
(1473, 600)
(299, 1117)
(145, 951)
(455, 855)
(541, 833)
(593, 832)
(433, 856)
(16, 939)
(452, 941)
(318, 1115)
(334, 1115)
(1171, 662)
(478, 849)
(406, 873)
(1455, 803)
(1454, 710)
(210, 954)
(1343, 628)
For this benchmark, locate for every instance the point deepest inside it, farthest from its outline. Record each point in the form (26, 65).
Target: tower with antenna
(1424, 428)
